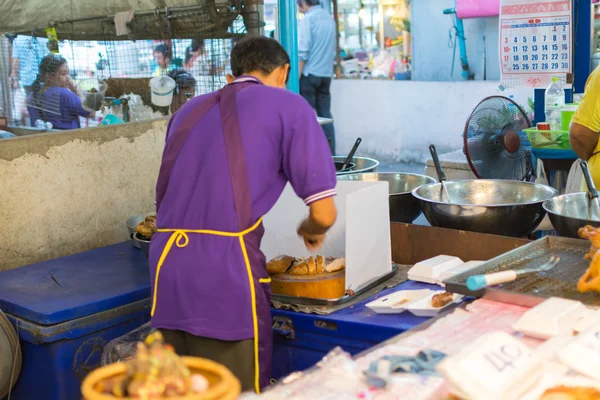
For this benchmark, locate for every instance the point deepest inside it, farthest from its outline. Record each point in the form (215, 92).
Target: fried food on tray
(304, 266)
(279, 265)
(590, 281)
(147, 229)
(571, 393)
(441, 299)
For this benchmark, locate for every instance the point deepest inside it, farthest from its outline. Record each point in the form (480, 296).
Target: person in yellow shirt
(585, 126)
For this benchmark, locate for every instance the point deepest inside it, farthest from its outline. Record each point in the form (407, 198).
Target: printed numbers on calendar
(564, 56)
(534, 39)
(515, 67)
(534, 66)
(515, 49)
(544, 47)
(554, 56)
(544, 65)
(534, 57)
(515, 58)
(554, 65)
(525, 48)
(564, 65)
(534, 48)
(516, 40)
(525, 57)
(544, 57)
(525, 67)
(554, 47)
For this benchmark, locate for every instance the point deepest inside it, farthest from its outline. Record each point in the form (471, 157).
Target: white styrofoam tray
(393, 303)
(429, 270)
(553, 317)
(423, 308)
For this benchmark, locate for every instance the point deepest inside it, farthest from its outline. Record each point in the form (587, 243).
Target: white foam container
(459, 269)
(429, 270)
(553, 317)
(582, 354)
(389, 304)
(423, 308)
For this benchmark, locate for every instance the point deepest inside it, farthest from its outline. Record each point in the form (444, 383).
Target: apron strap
(178, 138)
(235, 154)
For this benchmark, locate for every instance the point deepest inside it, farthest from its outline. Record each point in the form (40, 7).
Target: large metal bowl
(499, 207)
(143, 244)
(361, 165)
(404, 207)
(570, 212)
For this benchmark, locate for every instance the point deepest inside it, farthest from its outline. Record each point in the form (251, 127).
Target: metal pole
(288, 37)
(582, 45)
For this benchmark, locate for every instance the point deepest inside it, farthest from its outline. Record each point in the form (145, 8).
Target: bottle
(555, 101)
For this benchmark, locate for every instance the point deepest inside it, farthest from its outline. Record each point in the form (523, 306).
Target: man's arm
(322, 216)
(583, 140)
(304, 43)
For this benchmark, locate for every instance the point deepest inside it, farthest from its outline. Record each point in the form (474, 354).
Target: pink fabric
(477, 8)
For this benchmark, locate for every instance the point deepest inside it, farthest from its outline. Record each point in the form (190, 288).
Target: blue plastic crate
(66, 310)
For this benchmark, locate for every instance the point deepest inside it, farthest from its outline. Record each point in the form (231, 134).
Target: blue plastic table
(306, 338)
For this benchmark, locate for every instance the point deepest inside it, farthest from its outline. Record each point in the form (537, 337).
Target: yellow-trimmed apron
(250, 231)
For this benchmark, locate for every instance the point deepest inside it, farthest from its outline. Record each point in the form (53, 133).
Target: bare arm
(322, 216)
(583, 140)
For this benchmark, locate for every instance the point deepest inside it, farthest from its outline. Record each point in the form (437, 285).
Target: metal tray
(334, 302)
(530, 290)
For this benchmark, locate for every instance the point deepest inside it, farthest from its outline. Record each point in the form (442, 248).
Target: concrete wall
(432, 58)
(64, 193)
(398, 120)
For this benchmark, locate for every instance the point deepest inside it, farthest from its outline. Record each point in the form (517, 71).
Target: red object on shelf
(543, 126)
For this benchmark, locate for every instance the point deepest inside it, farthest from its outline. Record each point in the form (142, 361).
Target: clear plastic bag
(124, 348)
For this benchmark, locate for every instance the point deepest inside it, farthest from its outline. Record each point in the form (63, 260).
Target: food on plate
(399, 303)
(93, 90)
(279, 265)
(590, 281)
(441, 299)
(571, 393)
(155, 372)
(304, 266)
(147, 229)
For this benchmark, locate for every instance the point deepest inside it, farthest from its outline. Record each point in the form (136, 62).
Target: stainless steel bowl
(570, 212)
(361, 165)
(500, 207)
(404, 207)
(132, 223)
(143, 244)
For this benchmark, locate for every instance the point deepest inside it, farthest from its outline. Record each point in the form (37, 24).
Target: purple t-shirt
(203, 287)
(57, 105)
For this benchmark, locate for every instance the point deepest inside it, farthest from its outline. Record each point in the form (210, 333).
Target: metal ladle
(592, 192)
(440, 172)
(348, 159)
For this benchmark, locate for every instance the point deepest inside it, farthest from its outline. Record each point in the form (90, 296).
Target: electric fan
(494, 142)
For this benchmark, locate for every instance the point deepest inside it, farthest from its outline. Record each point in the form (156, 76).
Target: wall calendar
(535, 42)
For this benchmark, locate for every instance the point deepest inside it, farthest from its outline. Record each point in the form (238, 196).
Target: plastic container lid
(428, 271)
(555, 316)
(76, 286)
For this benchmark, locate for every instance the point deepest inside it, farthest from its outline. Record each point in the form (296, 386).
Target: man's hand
(313, 241)
(322, 217)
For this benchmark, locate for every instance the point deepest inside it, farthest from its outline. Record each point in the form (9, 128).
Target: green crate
(551, 140)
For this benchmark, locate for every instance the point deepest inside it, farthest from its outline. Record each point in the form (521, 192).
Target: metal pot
(143, 244)
(499, 207)
(361, 165)
(570, 212)
(404, 207)
(132, 223)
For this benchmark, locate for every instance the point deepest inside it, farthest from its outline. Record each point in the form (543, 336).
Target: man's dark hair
(164, 50)
(309, 3)
(257, 53)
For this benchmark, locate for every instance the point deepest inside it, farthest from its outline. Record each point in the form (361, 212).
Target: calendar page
(535, 42)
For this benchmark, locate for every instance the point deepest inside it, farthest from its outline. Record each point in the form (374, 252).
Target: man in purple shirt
(227, 158)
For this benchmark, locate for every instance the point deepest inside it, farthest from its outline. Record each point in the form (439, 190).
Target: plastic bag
(124, 348)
